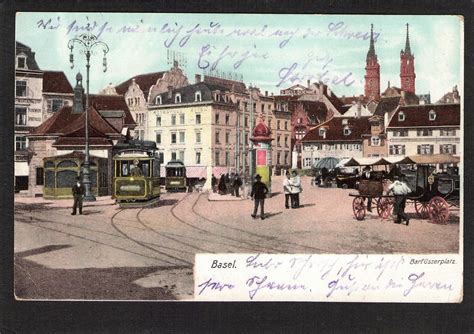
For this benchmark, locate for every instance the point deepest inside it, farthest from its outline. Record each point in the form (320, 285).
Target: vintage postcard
(238, 157)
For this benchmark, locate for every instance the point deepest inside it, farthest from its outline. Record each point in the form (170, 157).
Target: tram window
(124, 168)
(145, 165)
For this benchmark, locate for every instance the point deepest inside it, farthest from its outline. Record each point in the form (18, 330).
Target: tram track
(251, 246)
(146, 246)
(264, 237)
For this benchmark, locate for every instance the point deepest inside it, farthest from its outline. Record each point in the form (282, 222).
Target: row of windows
(423, 132)
(181, 135)
(182, 119)
(423, 149)
(331, 147)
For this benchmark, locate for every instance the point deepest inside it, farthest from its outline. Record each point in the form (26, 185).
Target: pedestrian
(400, 190)
(259, 192)
(78, 195)
(367, 175)
(221, 186)
(287, 190)
(296, 188)
(231, 184)
(237, 184)
(227, 183)
(214, 183)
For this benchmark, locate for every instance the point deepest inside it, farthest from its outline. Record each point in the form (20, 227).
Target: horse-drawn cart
(433, 194)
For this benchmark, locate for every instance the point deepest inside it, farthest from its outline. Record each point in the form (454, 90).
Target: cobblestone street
(148, 253)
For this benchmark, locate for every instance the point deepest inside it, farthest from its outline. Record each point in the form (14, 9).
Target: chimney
(198, 78)
(272, 93)
(266, 93)
(170, 91)
(78, 102)
(308, 82)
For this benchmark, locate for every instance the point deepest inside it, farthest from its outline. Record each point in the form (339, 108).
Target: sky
(269, 51)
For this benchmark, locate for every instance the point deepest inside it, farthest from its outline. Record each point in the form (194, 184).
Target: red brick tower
(372, 71)
(407, 68)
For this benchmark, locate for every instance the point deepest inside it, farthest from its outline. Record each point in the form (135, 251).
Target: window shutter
(441, 148)
(50, 105)
(431, 149)
(403, 150)
(418, 149)
(454, 149)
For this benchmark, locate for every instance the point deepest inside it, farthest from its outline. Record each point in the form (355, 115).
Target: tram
(175, 176)
(136, 174)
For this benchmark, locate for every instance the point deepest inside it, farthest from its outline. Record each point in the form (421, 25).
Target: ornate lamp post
(87, 42)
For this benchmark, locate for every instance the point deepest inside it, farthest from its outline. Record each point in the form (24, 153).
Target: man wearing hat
(400, 190)
(259, 191)
(367, 175)
(78, 194)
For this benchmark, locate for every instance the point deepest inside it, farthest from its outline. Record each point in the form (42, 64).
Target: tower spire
(371, 52)
(407, 43)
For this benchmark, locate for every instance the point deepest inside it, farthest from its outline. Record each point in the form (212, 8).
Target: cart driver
(367, 175)
(400, 190)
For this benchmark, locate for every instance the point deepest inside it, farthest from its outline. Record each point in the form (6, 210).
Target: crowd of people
(227, 184)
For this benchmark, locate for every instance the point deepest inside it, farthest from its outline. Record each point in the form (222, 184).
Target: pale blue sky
(311, 45)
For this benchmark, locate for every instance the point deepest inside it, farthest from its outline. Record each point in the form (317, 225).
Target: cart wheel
(385, 207)
(438, 210)
(422, 209)
(358, 207)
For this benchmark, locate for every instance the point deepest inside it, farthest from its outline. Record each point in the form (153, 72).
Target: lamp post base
(89, 198)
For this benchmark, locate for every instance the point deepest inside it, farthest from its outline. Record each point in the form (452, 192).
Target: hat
(258, 177)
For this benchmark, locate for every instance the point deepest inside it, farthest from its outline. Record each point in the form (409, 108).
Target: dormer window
(432, 115)
(158, 99)
(21, 62)
(401, 116)
(375, 141)
(322, 132)
(177, 98)
(197, 96)
(347, 131)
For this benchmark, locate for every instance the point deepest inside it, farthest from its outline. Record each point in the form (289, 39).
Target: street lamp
(87, 42)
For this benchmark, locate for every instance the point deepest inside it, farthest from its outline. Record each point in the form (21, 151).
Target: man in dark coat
(78, 194)
(259, 192)
(237, 184)
(221, 186)
(213, 183)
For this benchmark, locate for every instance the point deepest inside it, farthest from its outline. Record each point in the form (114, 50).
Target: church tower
(372, 71)
(407, 67)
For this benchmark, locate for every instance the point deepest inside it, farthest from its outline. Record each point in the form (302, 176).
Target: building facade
(28, 109)
(63, 134)
(142, 90)
(425, 130)
(340, 137)
(196, 125)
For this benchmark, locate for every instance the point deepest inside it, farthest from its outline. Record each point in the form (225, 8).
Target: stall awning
(435, 159)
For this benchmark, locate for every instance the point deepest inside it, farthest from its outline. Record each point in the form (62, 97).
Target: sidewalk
(62, 203)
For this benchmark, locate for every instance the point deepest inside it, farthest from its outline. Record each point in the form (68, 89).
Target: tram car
(136, 173)
(175, 176)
